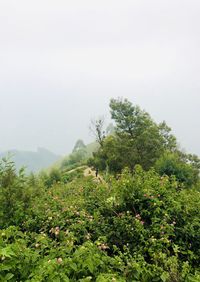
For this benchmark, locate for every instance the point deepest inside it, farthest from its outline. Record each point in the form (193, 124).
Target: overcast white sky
(62, 61)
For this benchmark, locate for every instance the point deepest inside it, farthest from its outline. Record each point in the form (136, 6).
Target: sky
(62, 61)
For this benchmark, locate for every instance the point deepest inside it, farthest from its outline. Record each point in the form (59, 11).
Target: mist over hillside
(33, 161)
(111, 89)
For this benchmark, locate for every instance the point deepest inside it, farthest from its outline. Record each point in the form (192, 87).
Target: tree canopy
(137, 139)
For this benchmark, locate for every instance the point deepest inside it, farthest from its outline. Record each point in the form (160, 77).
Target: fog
(62, 61)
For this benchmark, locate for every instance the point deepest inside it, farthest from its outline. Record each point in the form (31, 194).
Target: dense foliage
(139, 227)
(138, 221)
(137, 139)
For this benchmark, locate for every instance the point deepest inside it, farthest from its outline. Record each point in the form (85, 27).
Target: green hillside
(76, 158)
(135, 218)
(33, 161)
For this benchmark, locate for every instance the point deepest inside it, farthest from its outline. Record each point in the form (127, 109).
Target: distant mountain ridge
(33, 161)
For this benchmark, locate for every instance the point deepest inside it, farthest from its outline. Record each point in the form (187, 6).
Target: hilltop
(78, 157)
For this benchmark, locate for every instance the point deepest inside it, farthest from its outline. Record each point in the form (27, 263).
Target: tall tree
(79, 145)
(137, 139)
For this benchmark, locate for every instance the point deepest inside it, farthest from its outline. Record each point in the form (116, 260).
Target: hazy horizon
(61, 62)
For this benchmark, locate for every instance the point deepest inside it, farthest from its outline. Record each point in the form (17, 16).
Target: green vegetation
(137, 139)
(138, 221)
(79, 156)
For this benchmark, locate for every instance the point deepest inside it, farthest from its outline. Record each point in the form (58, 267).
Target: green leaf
(73, 266)
(164, 277)
(8, 276)
(7, 252)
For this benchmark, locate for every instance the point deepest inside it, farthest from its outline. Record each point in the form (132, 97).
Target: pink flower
(59, 260)
(138, 216)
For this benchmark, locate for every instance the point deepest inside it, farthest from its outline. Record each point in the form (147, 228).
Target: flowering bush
(138, 227)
